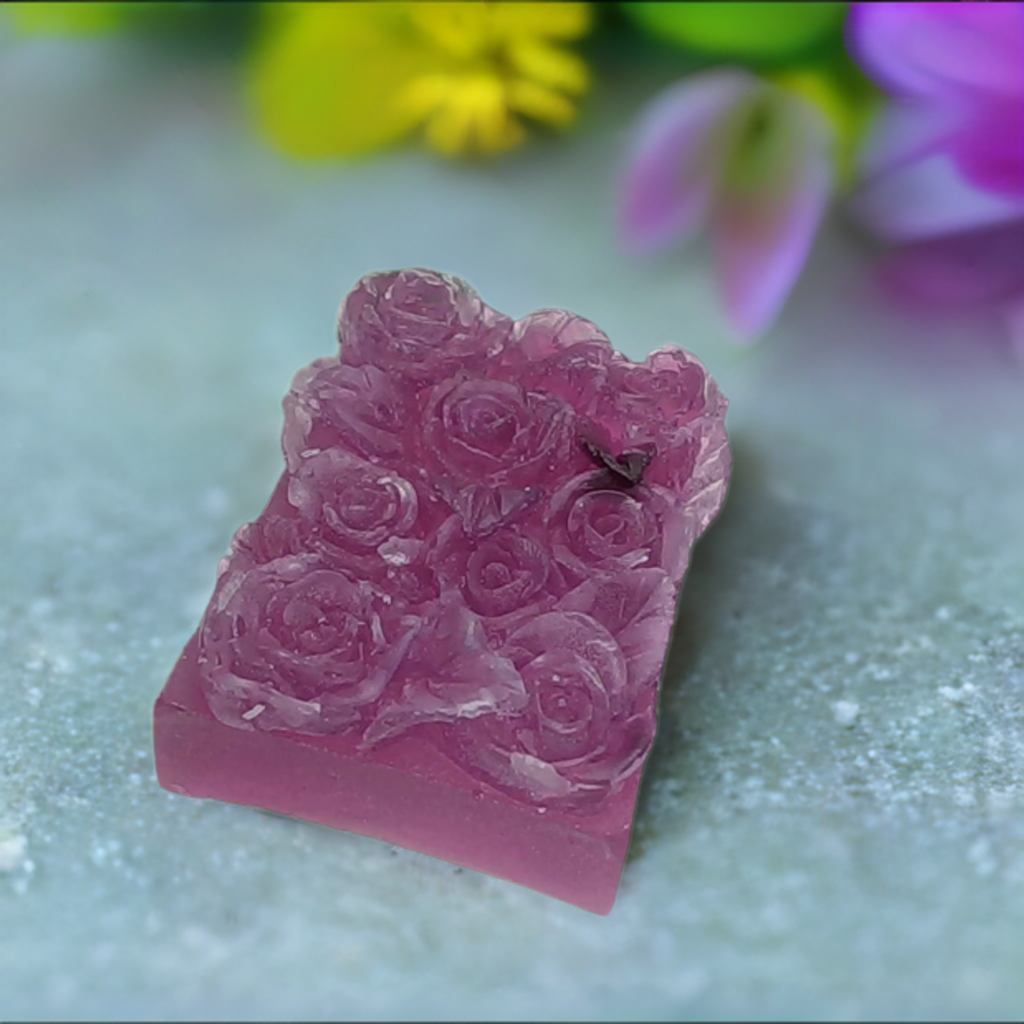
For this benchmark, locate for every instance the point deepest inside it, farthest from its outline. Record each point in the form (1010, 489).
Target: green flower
(70, 19)
(757, 31)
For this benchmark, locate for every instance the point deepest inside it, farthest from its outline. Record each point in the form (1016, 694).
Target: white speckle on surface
(34, 695)
(846, 712)
(62, 664)
(944, 613)
(1000, 802)
(964, 796)
(254, 712)
(13, 853)
(959, 694)
(980, 854)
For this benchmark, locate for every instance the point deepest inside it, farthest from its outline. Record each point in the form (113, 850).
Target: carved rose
(561, 353)
(637, 608)
(354, 407)
(419, 325)
(504, 572)
(268, 538)
(351, 506)
(661, 403)
(295, 645)
(578, 736)
(667, 389)
(494, 432)
(497, 574)
(597, 526)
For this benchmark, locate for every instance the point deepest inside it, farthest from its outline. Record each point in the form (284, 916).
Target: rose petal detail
(449, 673)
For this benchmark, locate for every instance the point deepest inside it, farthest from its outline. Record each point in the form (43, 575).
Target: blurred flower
(347, 78)
(846, 98)
(948, 154)
(748, 157)
(68, 18)
(944, 169)
(751, 30)
(168, 17)
(983, 268)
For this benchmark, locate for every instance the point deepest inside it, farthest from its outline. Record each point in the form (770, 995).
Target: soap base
(436, 809)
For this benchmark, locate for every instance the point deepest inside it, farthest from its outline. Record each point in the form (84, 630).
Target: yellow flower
(346, 78)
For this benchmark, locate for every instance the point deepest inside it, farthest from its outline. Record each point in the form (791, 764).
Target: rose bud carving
(498, 574)
(419, 326)
(577, 738)
(655, 403)
(563, 354)
(270, 537)
(492, 431)
(597, 527)
(350, 507)
(333, 405)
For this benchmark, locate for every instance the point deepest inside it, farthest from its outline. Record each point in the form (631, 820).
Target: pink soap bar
(447, 628)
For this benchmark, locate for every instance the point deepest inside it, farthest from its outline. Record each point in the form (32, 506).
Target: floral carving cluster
(479, 539)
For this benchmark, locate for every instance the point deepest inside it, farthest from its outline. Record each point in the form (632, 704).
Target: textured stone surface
(161, 276)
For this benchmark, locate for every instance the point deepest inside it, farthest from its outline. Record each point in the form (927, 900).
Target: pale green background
(162, 275)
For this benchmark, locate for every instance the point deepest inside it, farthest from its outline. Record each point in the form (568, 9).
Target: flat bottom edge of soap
(324, 781)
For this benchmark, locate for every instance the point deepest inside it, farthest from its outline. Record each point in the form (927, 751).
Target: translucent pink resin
(447, 628)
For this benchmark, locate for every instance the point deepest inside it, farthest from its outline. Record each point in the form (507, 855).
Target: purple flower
(749, 159)
(944, 167)
(948, 153)
(982, 268)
